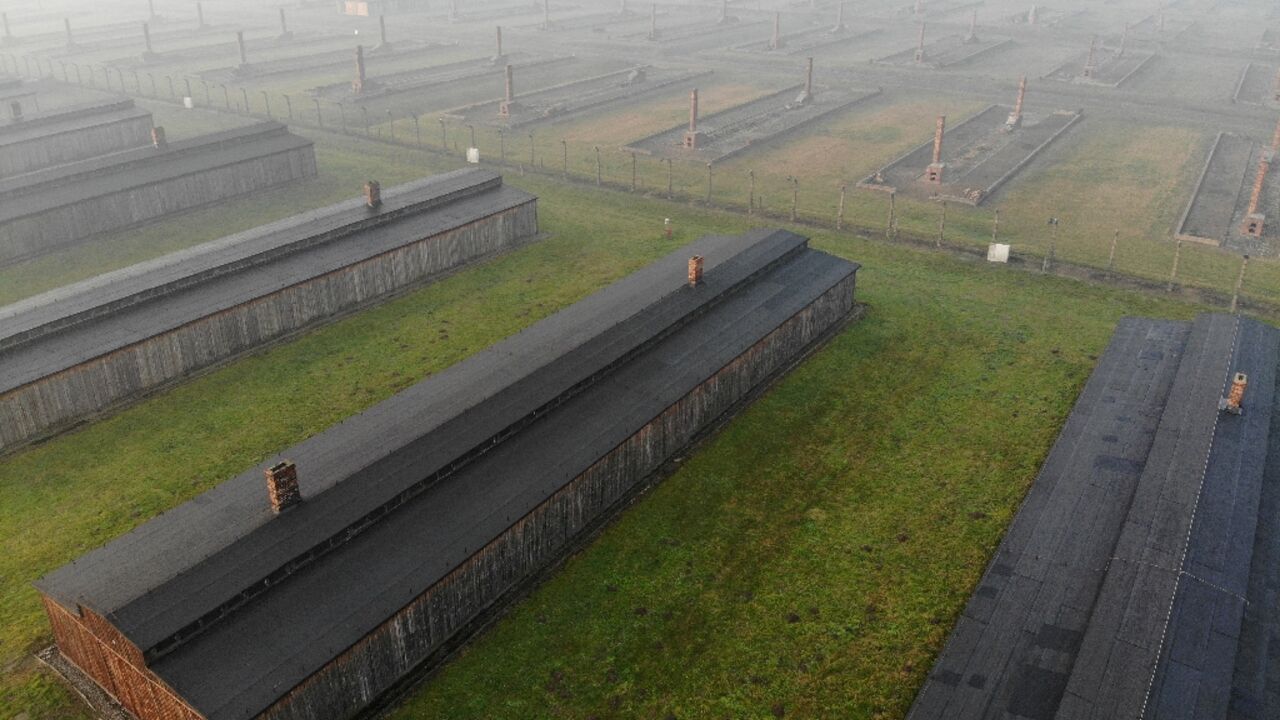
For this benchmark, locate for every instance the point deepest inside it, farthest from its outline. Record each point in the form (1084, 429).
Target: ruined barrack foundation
(61, 206)
(77, 351)
(305, 588)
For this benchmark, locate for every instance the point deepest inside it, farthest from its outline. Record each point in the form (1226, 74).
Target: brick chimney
(1233, 402)
(695, 270)
(509, 95)
(839, 28)
(200, 16)
(284, 27)
(934, 173)
(1090, 62)
(653, 22)
(499, 55)
(920, 45)
(357, 86)
(691, 135)
(244, 55)
(1255, 221)
(1015, 117)
(66, 23)
(5, 18)
(775, 42)
(282, 486)
(382, 34)
(158, 139)
(146, 39)
(372, 194)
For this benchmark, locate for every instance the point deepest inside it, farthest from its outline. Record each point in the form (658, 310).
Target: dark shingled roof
(68, 326)
(442, 467)
(69, 119)
(43, 190)
(1139, 577)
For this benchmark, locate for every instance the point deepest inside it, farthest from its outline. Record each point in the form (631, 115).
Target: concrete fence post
(888, 233)
(564, 155)
(942, 224)
(708, 183)
(751, 192)
(795, 195)
(599, 174)
(319, 115)
(843, 188)
(1235, 296)
(669, 179)
(1173, 273)
(633, 171)
(1111, 258)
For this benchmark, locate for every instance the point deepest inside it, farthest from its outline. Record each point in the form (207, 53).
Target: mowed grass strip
(814, 555)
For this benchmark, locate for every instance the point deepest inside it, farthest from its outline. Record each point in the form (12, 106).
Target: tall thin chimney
(1233, 402)
(66, 23)
(499, 41)
(244, 55)
(372, 194)
(382, 30)
(691, 135)
(146, 37)
(653, 22)
(1124, 40)
(839, 28)
(546, 14)
(200, 16)
(920, 45)
(1255, 199)
(937, 139)
(358, 86)
(776, 41)
(510, 95)
(808, 78)
(1089, 63)
(8, 35)
(282, 486)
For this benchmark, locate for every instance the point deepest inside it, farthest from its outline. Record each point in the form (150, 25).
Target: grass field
(812, 557)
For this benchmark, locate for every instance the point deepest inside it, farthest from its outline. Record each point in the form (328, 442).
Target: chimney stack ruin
(244, 54)
(775, 42)
(653, 22)
(383, 45)
(840, 27)
(285, 34)
(934, 172)
(372, 194)
(147, 53)
(8, 34)
(509, 96)
(920, 45)
(200, 24)
(1254, 220)
(691, 135)
(1015, 117)
(66, 23)
(1090, 62)
(357, 85)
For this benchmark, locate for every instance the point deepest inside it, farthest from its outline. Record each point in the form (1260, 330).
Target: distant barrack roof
(71, 325)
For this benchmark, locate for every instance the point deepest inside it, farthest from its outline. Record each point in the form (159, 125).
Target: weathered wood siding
(58, 400)
(94, 646)
(39, 233)
(64, 147)
(356, 677)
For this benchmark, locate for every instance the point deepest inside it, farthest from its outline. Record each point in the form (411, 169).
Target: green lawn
(813, 556)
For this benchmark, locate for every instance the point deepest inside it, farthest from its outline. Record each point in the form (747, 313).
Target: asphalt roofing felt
(71, 325)
(1140, 577)
(446, 465)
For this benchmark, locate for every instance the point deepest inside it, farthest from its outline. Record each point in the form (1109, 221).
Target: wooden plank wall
(80, 144)
(67, 225)
(355, 678)
(56, 401)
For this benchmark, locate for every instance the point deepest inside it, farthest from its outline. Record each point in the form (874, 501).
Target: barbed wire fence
(846, 210)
